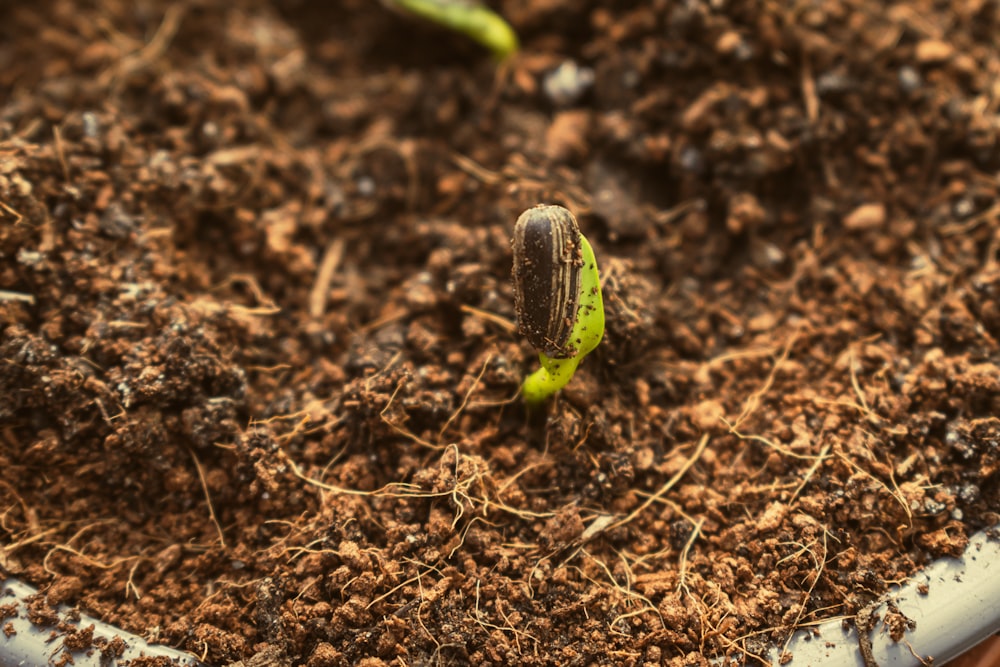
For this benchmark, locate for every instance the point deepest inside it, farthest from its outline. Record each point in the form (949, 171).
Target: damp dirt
(258, 360)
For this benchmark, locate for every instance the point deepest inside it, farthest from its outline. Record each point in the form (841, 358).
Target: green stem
(550, 378)
(468, 17)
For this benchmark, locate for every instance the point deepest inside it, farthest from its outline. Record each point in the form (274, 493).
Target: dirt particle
(866, 217)
(933, 51)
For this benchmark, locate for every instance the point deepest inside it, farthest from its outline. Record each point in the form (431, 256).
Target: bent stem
(586, 335)
(469, 17)
(550, 378)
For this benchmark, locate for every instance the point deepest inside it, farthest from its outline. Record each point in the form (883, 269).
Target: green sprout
(468, 17)
(557, 296)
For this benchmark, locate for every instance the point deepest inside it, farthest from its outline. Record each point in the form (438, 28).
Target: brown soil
(259, 374)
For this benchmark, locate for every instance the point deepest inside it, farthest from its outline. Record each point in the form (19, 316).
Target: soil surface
(259, 369)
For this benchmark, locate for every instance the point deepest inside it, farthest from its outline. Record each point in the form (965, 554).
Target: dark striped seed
(547, 263)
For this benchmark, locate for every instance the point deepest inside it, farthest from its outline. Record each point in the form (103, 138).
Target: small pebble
(366, 186)
(115, 222)
(567, 83)
(834, 82)
(909, 79)
(91, 124)
(691, 159)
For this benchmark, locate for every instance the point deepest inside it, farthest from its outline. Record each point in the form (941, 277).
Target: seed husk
(547, 263)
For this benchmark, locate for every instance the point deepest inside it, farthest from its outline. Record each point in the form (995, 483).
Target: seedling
(468, 17)
(557, 296)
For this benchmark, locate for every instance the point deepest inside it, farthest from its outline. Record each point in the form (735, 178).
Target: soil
(259, 366)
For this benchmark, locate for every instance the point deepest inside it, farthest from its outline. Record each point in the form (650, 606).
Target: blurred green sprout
(469, 17)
